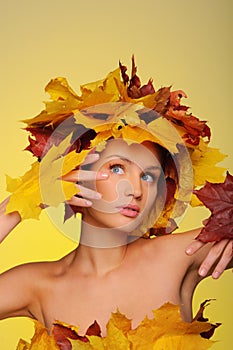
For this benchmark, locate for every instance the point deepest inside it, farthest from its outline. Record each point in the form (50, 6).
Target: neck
(101, 237)
(99, 261)
(101, 249)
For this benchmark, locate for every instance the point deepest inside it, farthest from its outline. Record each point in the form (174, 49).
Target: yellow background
(184, 43)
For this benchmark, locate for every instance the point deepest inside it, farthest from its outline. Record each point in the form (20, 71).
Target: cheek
(108, 189)
(150, 194)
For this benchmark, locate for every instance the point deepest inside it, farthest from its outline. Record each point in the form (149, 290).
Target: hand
(218, 258)
(7, 221)
(85, 195)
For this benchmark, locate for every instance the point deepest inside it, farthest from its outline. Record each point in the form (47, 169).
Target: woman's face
(129, 192)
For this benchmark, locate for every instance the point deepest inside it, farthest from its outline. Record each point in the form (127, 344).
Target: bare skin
(91, 282)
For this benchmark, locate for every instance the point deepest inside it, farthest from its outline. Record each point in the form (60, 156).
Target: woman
(113, 267)
(135, 179)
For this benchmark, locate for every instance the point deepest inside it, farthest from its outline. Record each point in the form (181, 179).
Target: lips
(130, 210)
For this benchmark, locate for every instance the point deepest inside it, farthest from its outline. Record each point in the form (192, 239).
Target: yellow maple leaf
(80, 345)
(96, 342)
(169, 319)
(110, 83)
(121, 321)
(64, 102)
(115, 336)
(102, 91)
(195, 202)
(42, 184)
(181, 342)
(204, 160)
(22, 345)
(165, 325)
(26, 196)
(165, 331)
(123, 121)
(41, 340)
(59, 88)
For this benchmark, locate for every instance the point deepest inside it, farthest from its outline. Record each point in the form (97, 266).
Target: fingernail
(103, 175)
(95, 155)
(98, 195)
(88, 203)
(188, 251)
(202, 272)
(216, 274)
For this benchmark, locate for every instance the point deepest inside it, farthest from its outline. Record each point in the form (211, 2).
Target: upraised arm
(7, 221)
(214, 260)
(14, 290)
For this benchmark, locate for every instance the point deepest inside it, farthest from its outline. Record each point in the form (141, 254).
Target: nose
(134, 187)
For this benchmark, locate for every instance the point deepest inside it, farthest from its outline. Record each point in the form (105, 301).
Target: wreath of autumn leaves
(63, 109)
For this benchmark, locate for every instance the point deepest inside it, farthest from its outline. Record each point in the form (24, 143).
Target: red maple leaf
(177, 113)
(168, 104)
(218, 198)
(39, 141)
(200, 317)
(134, 89)
(63, 333)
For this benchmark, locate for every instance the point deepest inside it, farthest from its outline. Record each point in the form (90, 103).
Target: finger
(224, 261)
(91, 158)
(84, 175)
(79, 202)
(88, 193)
(213, 255)
(194, 247)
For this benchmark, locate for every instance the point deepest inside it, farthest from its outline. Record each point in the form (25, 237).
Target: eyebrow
(151, 167)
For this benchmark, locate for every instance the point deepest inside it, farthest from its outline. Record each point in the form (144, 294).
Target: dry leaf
(218, 198)
(165, 330)
(30, 192)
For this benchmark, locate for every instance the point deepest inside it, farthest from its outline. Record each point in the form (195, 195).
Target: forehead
(144, 155)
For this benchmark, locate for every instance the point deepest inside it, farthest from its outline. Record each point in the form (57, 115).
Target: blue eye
(117, 169)
(148, 177)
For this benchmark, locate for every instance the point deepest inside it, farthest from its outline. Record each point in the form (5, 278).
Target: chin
(115, 221)
(124, 224)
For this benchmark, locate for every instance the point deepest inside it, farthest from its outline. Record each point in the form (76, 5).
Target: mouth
(130, 210)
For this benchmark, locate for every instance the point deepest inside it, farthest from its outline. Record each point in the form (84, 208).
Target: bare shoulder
(172, 243)
(21, 287)
(31, 271)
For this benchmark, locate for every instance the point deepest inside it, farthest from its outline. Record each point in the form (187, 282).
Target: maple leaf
(64, 102)
(165, 330)
(30, 191)
(177, 113)
(122, 120)
(79, 345)
(162, 99)
(204, 161)
(67, 336)
(134, 88)
(63, 333)
(23, 345)
(63, 110)
(218, 198)
(39, 142)
(166, 103)
(41, 340)
(42, 139)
